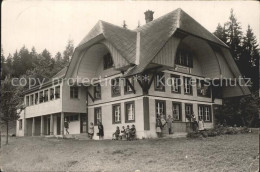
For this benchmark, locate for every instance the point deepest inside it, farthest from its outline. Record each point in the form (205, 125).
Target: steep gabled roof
(124, 40)
(156, 33)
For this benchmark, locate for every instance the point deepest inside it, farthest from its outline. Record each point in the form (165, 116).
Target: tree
(221, 33)
(2, 64)
(10, 99)
(17, 64)
(68, 52)
(234, 35)
(249, 61)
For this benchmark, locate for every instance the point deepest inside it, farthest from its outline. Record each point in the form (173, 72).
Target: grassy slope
(222, 153)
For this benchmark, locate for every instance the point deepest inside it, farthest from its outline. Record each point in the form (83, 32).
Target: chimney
(148, 16)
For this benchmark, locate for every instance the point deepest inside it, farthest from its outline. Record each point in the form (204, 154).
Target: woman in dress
(101, 131)
(91, 130)
(158, 127)
(201, 124)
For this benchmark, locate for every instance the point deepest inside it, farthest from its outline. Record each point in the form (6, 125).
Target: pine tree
(221, 33)
(234, 36)
(68, 52)
(3, 72)
(249, 61)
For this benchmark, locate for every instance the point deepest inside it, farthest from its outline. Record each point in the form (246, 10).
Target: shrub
(193, 134)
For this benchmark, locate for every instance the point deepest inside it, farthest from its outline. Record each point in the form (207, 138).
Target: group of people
(100, 131)
(125, 133)
(161, 122)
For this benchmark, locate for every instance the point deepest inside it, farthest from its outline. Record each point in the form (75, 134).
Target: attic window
(184, 58)
(108, 61)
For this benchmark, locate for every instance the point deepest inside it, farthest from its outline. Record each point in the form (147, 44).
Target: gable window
(27, 100)
(187, 85)
(188, 110)
(160, 108)
(128, 89)
(74, 92)
(203, 88)
(205, 113)
(97, 92)
(51, 93)
(184, 58)
(41, 97)
(159, 82)
(108, 61)
(20, 124)
(116, 113)
(115, 87)
(176, 111)
(46, 95)
(176, 84)
(32, 99)
(36, 98)
(129, 112)
(57, 92)
(97, 115)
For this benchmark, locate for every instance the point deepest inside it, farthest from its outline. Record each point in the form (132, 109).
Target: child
(122, 134)
(158, 127)
(132, 132)
(127, 132)
(116, 134)
(91, 130)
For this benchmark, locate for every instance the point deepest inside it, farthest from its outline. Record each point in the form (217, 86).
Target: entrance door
(48, 125)
(83, 123)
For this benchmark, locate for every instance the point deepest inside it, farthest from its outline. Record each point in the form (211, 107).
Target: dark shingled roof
(153, 36)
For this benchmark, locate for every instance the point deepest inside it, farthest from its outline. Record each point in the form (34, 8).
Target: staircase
(175, 135)
(82, 136)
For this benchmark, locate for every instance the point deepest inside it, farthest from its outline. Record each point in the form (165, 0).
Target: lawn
(222, 153)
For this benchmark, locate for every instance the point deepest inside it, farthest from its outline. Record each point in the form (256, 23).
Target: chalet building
(146, 67)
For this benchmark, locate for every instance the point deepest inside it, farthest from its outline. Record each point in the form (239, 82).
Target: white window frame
(176, 110)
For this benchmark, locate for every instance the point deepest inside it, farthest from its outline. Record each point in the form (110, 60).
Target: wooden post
(62, 124)
(33, 127)
(51, 125)
(42, 126)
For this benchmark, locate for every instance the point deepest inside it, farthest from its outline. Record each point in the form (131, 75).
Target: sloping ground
(221, 153)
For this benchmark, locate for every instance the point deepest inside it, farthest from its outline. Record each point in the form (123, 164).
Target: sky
(50, 24)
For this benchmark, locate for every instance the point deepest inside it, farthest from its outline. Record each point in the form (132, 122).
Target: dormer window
(108, 61)
(184, 58)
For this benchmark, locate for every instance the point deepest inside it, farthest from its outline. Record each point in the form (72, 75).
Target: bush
(193, 135)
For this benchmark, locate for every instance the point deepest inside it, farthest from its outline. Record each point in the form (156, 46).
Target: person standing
(158, 127)
(169, 124)
(201, 124)
(91, 130)
(100, 131)
(66, 125)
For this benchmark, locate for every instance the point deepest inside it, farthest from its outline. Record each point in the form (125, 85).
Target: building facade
(126, 77)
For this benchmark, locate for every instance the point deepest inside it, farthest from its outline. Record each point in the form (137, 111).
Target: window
(27, 100)
(74, 92)
(116, 113)
(188, 110)
(205, 112)
(115, 87)
(184, 58)
(46, 95)
(97, 92)
(176, 84)
(108, 61)
(97, 115)
(159, 82)
(160, 108)
(20, 124)
(32, 99)
(36, 98)
(128, 89)
(57, 92)
(51, 93)
(187, 85)
(72, 118)
(176, 111)
(129, 112)
(203, 88)
(41, 97)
